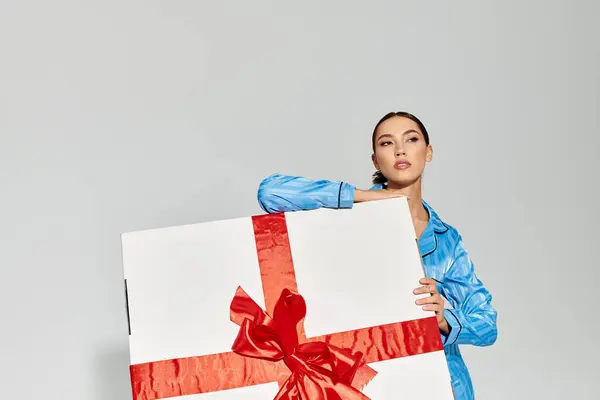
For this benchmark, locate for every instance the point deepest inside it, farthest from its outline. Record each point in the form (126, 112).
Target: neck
(415, 198)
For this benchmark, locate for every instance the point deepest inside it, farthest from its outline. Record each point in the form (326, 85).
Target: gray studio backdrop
(125, 115)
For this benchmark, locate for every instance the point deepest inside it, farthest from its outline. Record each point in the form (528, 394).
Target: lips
(401, 164)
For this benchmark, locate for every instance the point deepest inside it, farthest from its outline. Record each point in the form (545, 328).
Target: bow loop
(289, 311)
(257, 337)
(319, 371)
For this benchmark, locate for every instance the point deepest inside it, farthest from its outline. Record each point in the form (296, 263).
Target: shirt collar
(434, 220)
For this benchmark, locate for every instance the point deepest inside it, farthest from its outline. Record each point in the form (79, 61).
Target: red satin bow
(319, 371)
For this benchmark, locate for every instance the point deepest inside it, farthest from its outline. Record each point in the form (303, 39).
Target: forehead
(397, 126)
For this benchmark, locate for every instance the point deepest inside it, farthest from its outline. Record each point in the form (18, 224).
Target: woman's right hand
(370, 195)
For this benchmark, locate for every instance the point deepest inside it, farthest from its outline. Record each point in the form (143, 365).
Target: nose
(400, 150)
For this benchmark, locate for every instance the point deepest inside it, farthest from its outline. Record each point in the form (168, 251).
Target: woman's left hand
(433, 303)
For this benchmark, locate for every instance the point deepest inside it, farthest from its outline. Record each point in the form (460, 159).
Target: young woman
(401, 149)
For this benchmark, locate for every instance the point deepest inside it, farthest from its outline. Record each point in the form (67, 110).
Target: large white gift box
(216, 309)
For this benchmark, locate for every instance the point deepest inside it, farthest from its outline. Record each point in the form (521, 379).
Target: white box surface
(355, 269)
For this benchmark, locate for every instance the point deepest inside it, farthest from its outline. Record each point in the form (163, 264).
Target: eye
(413, 139)
(385, 143)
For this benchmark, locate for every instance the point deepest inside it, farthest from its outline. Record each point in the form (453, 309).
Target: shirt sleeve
(473, 319)
(282, 193)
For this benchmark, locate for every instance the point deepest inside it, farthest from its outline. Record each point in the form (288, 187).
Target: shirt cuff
(454, 325)
(346, 195)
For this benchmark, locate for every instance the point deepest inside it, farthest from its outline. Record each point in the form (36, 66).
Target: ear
(375, 163)
(429, 155)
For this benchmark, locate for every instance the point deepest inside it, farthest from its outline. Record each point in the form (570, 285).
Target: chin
(403, 179)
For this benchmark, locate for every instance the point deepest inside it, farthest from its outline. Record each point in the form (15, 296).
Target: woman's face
(401, 151)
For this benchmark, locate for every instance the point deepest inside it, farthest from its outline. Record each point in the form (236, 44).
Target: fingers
(427, 281)
(429, 300)
(433, 302)
(438, 308)
(429, 286)
(426, 289)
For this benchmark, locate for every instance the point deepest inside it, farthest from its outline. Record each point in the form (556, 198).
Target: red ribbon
(318, 370)
(163, 379)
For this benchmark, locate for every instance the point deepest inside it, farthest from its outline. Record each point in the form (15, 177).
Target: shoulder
(450, 255)
(443, 229)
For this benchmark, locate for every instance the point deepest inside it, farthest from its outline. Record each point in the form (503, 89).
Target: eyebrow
(404, 133)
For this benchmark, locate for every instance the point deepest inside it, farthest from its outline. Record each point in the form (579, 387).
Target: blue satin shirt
(472, 319)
